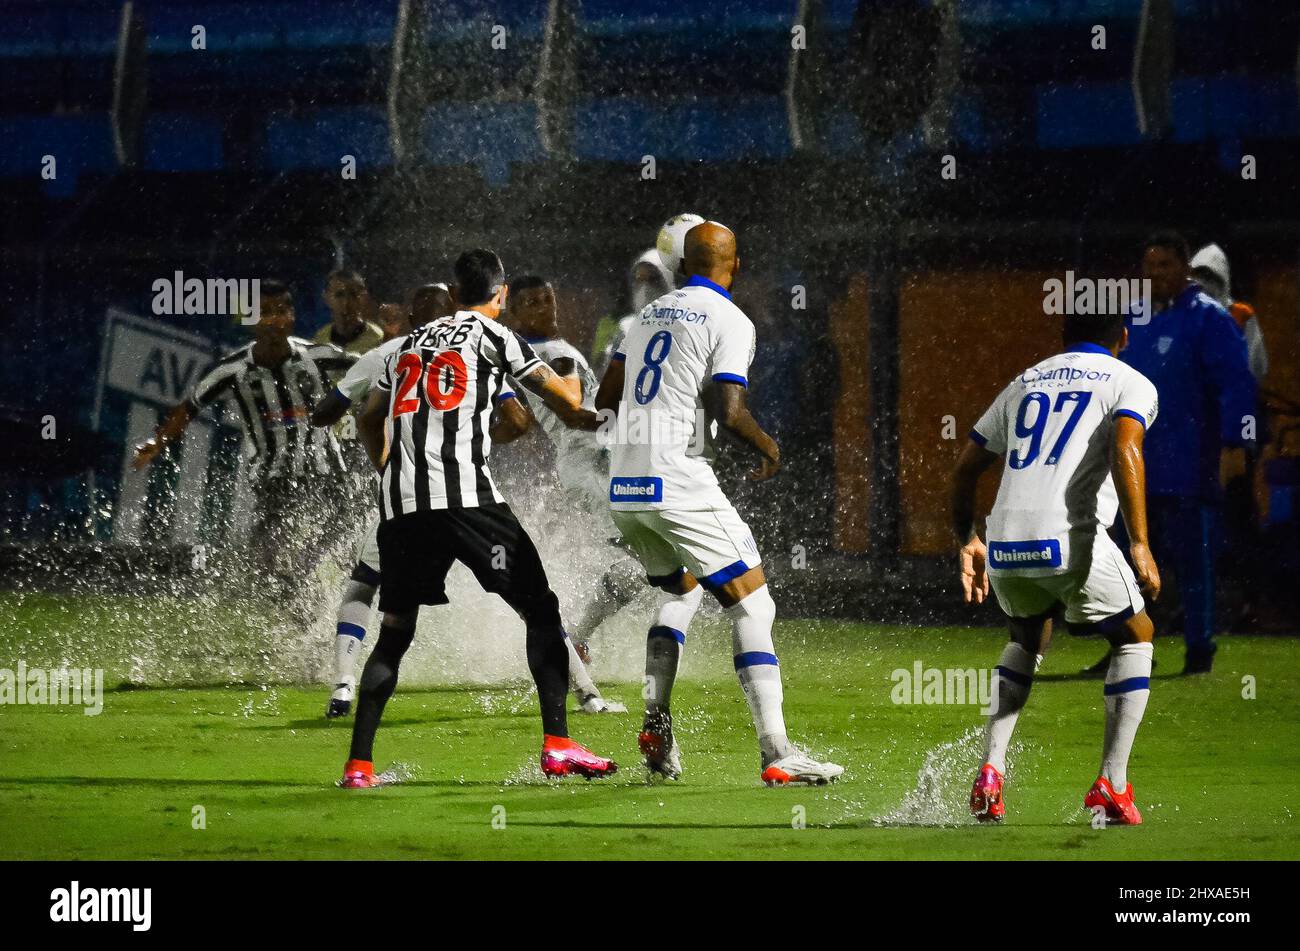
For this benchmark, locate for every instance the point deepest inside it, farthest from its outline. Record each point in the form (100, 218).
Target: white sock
(664, 644)
(579, 680)
(1016, 669)
(758, 670)
(1128, 686)
(353, 613)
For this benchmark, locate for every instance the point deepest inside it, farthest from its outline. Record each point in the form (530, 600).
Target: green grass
(1216, 774)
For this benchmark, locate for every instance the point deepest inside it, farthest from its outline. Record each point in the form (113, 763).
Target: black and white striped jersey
(275, 406)
(441, 385)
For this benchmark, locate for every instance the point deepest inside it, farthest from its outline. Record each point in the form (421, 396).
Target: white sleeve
(510, 352)
(733, 351)
(1138, 399)
(991, 429)
(361, 375)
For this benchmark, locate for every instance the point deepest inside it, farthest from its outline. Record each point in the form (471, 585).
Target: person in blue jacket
(1195, 354)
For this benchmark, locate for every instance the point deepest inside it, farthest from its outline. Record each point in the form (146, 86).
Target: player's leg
(617, 588)
(681, 597)
(719, 548)
(350, 631)
(378, 682)
(1128, 687)
(588, 695)
(1029, 604)
(490, 541)
(1109, 603)
(353, 613)
(413, 572)
(666, 638)
(1198, 541)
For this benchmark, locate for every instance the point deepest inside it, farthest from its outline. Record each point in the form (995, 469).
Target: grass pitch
(1215, 773)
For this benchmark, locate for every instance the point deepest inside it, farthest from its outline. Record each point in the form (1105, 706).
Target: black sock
(548, 660)
(378, 681)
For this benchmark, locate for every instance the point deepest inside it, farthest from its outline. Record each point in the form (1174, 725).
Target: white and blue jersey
(675, 349)
(1054, 424)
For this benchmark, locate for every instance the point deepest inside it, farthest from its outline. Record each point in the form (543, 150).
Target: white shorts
(715, 545)
(1102, 590)
(367, 566)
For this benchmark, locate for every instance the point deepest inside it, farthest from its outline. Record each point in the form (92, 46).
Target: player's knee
(757, 605)
(358, 592)
(540, 611)
(1136, 630)
(400, 621)
(690, 599)
(623, 580)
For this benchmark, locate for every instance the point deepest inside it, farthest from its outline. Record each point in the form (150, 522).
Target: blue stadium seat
(79, 144)
(182, 142)
(727, 129)
(685, 17)
(490, 136)
(286, 24)
(1086, 115)
(318, 139)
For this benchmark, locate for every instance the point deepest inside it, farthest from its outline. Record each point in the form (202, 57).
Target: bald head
(710, 252)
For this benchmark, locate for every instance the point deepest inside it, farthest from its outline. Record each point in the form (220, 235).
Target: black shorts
(417, 550)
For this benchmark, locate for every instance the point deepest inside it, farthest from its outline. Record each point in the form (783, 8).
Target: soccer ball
(672, 240)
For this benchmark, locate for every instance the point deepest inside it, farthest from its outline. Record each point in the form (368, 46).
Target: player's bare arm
(510, 420)
(370, 428)
(560, 398)
(172, 428)
(732, 414)
(331, 409)
(567, 370)
(1128, 469)
(972, 556)
(610, 393)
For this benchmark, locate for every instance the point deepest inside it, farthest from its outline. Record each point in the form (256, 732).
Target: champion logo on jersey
(1040, 553)
(636, 489)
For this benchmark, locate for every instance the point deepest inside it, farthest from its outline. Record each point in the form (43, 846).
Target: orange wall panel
(963, 335)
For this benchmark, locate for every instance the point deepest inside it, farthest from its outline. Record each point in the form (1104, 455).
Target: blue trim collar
(1089, 348)
(696, 281)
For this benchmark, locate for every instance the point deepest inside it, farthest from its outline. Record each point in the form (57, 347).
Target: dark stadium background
(923, 293)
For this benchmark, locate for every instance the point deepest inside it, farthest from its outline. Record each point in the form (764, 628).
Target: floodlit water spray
(942, 788)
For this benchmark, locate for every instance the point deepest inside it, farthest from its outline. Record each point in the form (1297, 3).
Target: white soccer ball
(671, 243)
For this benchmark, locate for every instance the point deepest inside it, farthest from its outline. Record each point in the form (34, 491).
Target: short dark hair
(479, 275)
(1170, 240)
(1105, 330)
(274, 287)
(528, 282)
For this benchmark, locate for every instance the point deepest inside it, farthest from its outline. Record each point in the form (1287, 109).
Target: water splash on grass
(940, 795)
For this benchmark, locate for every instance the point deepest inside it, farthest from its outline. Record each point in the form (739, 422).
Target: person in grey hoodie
(1210, 269)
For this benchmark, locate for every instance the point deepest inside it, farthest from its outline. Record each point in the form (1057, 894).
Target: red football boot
(986, 796)
(562, 756)
(359, 774)
(1119, 807)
